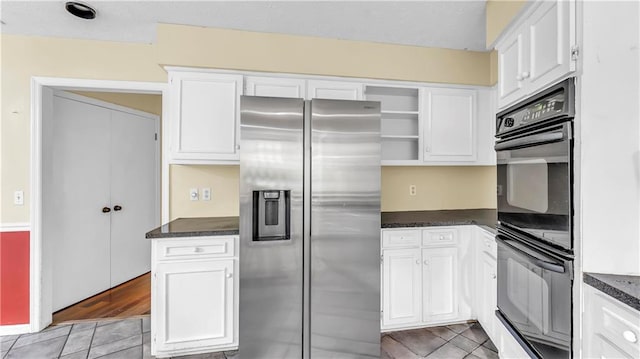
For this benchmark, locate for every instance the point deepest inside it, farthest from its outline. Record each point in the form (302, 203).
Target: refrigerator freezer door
(271, 132)
(345, 229)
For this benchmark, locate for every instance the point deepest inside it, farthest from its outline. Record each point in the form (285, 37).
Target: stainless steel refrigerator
(309, 228)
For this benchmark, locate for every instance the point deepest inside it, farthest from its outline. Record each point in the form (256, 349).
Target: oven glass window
(528, 185)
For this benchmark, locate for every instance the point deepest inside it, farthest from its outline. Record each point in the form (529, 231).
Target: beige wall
(437, 188)
(27, 56)
(142, 102)
(224, 184)
(499, 15)
(24, 56)
(243, 50)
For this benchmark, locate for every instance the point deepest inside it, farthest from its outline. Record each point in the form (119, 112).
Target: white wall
(610, 137)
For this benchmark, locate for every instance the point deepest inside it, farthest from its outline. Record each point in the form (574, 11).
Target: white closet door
(78, 186)
(134, 190)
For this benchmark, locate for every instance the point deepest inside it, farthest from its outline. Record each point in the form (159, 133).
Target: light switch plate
(206, 194)
(18, 198)
(193, 194)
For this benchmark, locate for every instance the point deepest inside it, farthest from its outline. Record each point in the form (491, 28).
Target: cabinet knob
(426, 263)
(237, 147)
(427, 149)
(630, 336)
(519, 78)
(493, 276)
(229, 275)
(442, 238)
(197, 249)
(417, 261)
(525, 75)
(106, 209)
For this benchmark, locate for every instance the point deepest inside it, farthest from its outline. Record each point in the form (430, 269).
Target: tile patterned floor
(130, 339)
(448, 342)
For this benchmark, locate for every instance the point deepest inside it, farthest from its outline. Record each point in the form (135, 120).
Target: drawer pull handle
(197, 250)
(229, 275)
(629, 336)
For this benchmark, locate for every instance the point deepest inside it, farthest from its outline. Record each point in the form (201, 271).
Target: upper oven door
(534, 183)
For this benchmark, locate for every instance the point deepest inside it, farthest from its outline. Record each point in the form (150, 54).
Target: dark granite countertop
(625, 288)
(220, 226)
(481, 217)
(197, 227)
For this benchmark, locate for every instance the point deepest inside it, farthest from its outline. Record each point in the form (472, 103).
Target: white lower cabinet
(422, 275)
(487, 283)
(611, 329)
(440, 284)
(194, 296)
(401, 270)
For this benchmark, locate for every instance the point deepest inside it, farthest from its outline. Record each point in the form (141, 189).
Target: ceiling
(446, 24)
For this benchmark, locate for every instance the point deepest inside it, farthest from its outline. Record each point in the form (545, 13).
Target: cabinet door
(275, 87)
(401, 287)
(195, 304)
(449, 131)
(549, 52)
(334, 90)
(205, 116)
(440, 284)
(511, 66)
(488, 300)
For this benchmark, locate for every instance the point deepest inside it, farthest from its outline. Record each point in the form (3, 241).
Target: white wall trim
(15, 227)
(14, 329)
(40, 306)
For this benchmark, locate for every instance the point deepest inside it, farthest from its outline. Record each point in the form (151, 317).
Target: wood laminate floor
(129, 299)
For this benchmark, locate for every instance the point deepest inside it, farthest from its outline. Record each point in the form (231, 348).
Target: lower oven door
(534, 294)
(534, 183)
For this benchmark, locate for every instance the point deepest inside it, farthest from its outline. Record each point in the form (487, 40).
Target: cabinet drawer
(439, 236)
(488, 244)
(203, 247)
(400, 238)
(617, 324)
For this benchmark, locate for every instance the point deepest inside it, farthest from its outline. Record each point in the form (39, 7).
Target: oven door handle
(554, 267)
(533, 140)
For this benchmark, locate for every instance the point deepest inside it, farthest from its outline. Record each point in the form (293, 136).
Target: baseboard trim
(15, 227)
(14, 329)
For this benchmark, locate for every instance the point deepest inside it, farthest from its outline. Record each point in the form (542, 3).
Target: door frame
(40, 286)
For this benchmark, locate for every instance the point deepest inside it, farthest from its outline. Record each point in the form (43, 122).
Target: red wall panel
(14, 278)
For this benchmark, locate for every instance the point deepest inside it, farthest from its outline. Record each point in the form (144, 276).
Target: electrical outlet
(412, 190)
(18, 198)
(193, 194)
(206, 194)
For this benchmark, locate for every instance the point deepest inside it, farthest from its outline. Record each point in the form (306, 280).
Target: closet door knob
(117, 208)
(106, 209)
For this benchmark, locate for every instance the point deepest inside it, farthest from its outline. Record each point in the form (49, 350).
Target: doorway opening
(97, 188)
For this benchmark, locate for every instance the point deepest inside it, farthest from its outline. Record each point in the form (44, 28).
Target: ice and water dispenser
(271, 215)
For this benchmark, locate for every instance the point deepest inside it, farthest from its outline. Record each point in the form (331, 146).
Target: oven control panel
(546, 106)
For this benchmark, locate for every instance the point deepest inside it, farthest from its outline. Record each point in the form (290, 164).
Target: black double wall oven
(535, 228)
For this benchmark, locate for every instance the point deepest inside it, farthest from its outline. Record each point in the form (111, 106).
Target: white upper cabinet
(204, 116)
(449, 125)
(275, 87)
(400, 122)
(334, 90)
(538, 52)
